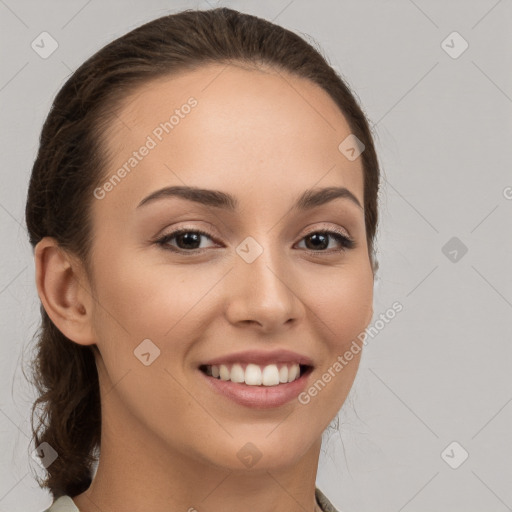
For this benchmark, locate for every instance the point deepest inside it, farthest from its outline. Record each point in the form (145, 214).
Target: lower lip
(258, 397)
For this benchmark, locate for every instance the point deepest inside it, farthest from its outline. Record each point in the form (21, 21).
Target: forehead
(230, 128)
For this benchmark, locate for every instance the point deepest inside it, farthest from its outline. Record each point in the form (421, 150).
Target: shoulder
(324, 503)
(63, 504)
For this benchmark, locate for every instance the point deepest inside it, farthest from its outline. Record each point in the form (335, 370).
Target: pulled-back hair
(71, 163)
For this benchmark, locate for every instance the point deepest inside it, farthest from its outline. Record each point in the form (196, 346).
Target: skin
(168, 441)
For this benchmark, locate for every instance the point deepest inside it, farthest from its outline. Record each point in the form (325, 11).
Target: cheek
(343, 302)
(355, 309)
(342, 308)
(138, 302)
(146, 299)
(170, 306)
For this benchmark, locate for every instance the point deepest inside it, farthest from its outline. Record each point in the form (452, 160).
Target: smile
(253, 374)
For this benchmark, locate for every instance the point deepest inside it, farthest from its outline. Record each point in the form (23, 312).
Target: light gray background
(440, 370)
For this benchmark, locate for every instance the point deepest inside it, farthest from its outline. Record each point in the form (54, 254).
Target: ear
(64, 291)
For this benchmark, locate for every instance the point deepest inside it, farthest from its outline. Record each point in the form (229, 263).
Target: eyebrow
(309, 199)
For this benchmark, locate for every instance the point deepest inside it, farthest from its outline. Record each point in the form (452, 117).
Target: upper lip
(261, 357)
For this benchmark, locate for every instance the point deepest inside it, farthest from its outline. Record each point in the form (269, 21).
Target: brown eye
(187, 240)
(319, 240)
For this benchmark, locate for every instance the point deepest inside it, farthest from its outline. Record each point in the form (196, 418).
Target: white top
(63, 504)
(66, 504)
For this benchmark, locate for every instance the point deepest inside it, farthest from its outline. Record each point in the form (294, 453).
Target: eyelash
(346, 242)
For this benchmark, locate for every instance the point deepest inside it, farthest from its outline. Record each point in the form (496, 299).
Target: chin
(268, 451)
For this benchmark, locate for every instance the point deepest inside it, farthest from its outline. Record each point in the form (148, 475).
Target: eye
(320, 240)
(187, 240)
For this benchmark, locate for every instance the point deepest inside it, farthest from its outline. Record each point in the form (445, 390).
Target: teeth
(256, 375)
(224, 372)
(270, 375)
(237, 373)
(253, 375)
(293, 373)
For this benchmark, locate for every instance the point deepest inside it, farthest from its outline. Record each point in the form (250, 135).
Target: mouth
(258, 379)
(252, 374)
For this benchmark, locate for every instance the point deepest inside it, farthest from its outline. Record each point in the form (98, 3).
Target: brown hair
(71, 162)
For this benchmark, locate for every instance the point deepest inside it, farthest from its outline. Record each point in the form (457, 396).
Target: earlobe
(63, 291)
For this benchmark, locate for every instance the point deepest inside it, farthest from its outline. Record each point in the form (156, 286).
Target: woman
(203, 209)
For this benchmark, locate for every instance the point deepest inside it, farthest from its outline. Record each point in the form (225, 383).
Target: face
(254, 279)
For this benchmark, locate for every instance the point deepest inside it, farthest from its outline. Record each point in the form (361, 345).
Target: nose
(263, 293)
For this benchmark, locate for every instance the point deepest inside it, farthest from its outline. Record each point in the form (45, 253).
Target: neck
(138, 471)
